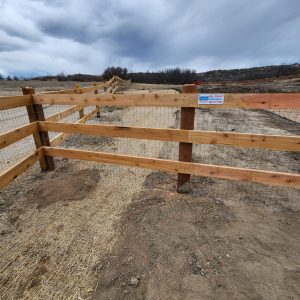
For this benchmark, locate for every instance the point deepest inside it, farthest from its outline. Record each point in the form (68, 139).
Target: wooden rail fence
(186, 136)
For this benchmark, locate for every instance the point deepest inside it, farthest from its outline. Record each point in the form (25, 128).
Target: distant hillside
(249, 74)
(181, 76)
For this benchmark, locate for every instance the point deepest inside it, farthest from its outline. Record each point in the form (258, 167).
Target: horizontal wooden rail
(69, 91)
(222, 172)
(8, 102)
(274, 142)
(16, 170)
(17, 134)
(121, 80)
(82, 90)
(15, 101)
(245, 101)
(62, 136)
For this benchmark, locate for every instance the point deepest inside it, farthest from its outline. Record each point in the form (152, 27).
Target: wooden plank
(62, 136)
(83, 90)
(15, 101)
(16, 170)
(97, 87)
(17, 134)
(245, 101)
(69, 91)
(222, 172)
(112, 86)
(61, 115)
(273, 142)
(115, 89)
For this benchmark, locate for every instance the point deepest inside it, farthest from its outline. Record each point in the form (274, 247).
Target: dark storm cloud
(150, 35)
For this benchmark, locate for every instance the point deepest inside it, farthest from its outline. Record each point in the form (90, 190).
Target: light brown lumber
(15, 101)
(16, 170)
(120, 79)
(96, 87)
(115, 89)
(83, 90)
(69, 91)
(61, 115)
(113, 85)
(17, 134)
(222, 172)
(246, 101)
(60, 137)
(273, 142)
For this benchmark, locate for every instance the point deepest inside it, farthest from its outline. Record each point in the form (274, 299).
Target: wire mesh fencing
(11, 119)
(234, 120)
(271, 122)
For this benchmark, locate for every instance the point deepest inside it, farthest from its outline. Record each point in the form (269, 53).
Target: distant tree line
(110, 72)
(167, 76)
(73, 77)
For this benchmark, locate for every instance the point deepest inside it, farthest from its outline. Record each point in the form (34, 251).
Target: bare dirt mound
(65, 187)
(194, 246)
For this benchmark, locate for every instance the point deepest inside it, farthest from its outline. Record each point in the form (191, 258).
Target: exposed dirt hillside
(250, 73)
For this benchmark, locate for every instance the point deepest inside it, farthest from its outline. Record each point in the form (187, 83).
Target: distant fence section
(78, 99)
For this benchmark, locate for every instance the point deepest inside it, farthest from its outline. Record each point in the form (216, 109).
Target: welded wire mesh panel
(89, 109)
(16, 152)
(126, 146)
(13, 118)
(253, 158)
(248, 121)
(72, 118)
(153, 117)
(292, 115)
(50, 110)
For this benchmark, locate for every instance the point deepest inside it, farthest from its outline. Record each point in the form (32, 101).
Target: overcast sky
(48, 37)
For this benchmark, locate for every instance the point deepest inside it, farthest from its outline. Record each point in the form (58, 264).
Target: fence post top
(28, 90)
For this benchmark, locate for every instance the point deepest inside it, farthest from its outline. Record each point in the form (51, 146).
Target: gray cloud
(80, 36)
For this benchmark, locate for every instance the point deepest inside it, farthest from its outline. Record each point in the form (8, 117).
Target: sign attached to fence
(211, 99)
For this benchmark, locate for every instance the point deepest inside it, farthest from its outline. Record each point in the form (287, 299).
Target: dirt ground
(93, 231)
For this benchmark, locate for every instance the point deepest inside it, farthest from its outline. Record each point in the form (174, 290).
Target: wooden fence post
(41, 138)
(98, 112)
(186, 149)
(79, 91)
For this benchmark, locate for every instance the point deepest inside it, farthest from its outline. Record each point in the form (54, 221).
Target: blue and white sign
(211, 99)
